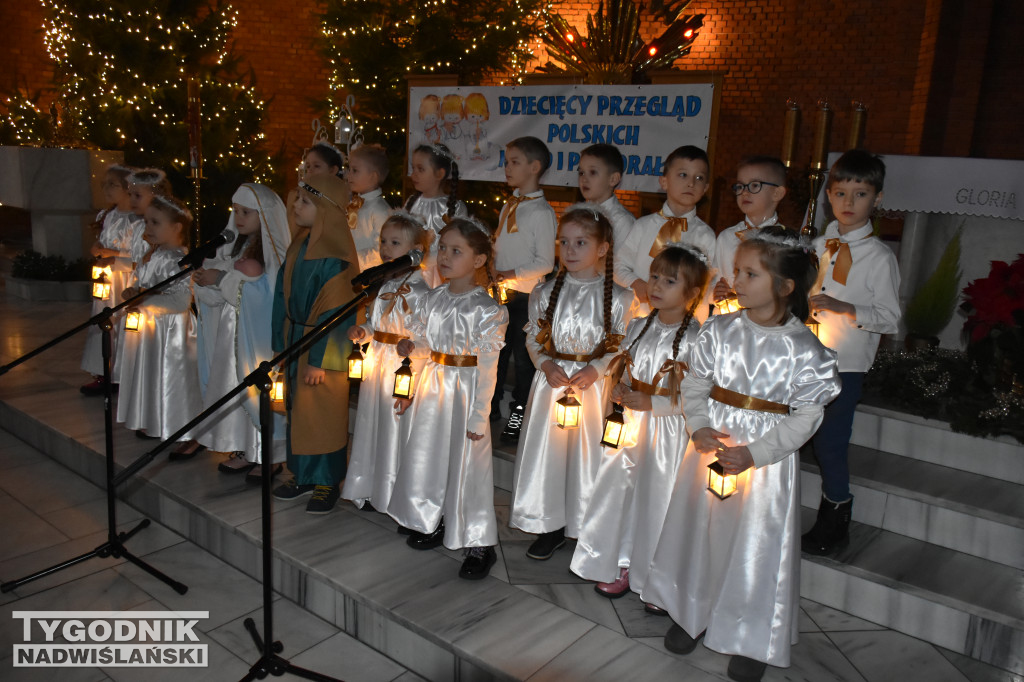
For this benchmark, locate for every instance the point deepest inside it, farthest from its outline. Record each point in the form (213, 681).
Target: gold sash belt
(388, 337)
(649, 389)
(453, 360)
(746, 402)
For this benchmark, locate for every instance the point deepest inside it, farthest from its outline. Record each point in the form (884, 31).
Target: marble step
(951, 599)
(959, 510)
(352, 569)
(933, 441)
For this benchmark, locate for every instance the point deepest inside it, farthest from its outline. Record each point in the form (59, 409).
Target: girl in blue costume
(235, 293)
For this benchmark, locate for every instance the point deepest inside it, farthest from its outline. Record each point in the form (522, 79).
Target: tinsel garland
(942, 384)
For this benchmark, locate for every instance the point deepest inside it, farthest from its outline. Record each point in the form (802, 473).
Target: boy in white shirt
(760, 186)
(524, 254)
(855, 303)
(600, 170)
(367, 211)
(685, 181)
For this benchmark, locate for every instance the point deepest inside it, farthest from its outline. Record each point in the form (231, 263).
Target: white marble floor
(48, 513)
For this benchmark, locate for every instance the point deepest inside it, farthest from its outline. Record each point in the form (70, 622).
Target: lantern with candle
(355, 364)
(567, 411)
(132, 321)
(614, 425)
(720, 483)
(403, 380)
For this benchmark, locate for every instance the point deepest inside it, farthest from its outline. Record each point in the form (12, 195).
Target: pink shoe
(654, 610)
(615, 589)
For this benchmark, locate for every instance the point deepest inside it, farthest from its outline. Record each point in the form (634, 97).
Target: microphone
(196, 257)
(387, 270)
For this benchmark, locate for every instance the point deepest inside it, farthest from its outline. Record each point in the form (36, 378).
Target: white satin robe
(159, 380)
(117, 234)
(634, 484)
(441, 472)
(434, 213)
(556, 468)
(732, 566)
(379, 433)
(137, 250)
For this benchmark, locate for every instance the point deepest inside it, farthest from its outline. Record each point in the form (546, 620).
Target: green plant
(932, 307)
(34, 265)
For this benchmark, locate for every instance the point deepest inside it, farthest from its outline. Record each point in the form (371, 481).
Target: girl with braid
(576, 322)
(634, 484)
(435, 175)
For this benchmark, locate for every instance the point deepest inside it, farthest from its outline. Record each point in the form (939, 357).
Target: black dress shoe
(545, 546)
(478, 562)
(427, 540)
(181, 453)
(367, 507)
(743, 669)
(255, 474)
(145, 436)
(678, 642)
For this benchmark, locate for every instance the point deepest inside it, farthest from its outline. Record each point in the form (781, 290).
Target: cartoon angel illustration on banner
(451, 131)
(477, 112)
(430, 114)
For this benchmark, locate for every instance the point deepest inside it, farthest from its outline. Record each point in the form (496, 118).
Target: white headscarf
(273, 224)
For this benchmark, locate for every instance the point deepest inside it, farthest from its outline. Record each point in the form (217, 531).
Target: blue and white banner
(645, 122)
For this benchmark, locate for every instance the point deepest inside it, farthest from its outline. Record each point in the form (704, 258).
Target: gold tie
(843, 261)
(746, 232)
(671, 231)
(353, 211)
(510, 215)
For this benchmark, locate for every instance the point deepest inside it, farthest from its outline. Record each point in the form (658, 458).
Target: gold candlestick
(857, 125)
(790, 131)
(818, 157)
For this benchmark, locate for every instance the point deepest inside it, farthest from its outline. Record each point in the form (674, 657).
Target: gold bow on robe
(671, 231)
(394, 297)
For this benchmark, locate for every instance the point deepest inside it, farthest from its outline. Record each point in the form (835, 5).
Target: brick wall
(938, 76)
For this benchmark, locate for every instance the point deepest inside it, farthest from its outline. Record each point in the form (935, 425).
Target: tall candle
(821, 135)
(860, 115)
(789, 133)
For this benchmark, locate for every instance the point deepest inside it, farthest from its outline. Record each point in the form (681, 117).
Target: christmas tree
(372, 45)
(121, 81)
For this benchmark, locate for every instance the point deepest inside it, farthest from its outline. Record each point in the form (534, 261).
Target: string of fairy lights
(121, 78)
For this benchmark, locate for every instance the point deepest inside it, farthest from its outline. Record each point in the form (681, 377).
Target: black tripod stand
(270, 662)
(115, 544)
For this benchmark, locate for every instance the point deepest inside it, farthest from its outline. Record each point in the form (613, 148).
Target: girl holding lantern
(159, 381)
(379, 431)
(576, 323)
(727, 567)
(634, 484)
(444, 488)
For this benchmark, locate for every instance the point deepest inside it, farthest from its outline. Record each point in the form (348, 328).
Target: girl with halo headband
(315, 282)
(235, 294)
(576, 323)
(727, 570)
(323, 158)
(444, 489)
(112, 251)
(380, 432)
(633, 486)
(433, 166)
(159, 383)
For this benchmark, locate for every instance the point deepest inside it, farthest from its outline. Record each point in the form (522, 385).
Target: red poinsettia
(991, 302)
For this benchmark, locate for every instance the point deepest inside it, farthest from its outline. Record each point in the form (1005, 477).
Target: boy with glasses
(760, 186)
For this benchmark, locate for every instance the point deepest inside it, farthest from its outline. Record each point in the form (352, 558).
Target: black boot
(831, 531)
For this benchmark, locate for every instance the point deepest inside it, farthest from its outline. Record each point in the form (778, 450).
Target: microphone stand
(115, 544)
(270, 662)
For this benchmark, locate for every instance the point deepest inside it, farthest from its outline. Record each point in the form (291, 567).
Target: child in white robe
(576, 322)
(379, 431)
(444, 489)
(728, 570)
(159, 381)
(627, 510)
